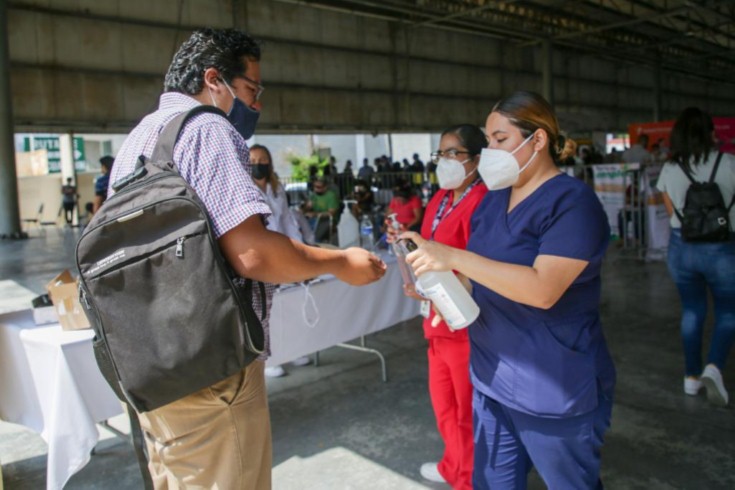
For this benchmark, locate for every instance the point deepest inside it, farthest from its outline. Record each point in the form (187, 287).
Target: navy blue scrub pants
(508, 443)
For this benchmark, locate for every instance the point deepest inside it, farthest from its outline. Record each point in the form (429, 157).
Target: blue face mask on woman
(242, 117)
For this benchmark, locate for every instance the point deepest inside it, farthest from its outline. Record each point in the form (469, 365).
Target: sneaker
(301, 361)
(712, 380)
(274, 371)
(692, 386)
(430, 471)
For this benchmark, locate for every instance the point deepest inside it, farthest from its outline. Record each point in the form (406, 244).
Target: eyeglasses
(259, 89)
(450, 153)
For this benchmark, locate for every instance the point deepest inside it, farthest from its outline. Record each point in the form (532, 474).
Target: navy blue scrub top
(548, 363)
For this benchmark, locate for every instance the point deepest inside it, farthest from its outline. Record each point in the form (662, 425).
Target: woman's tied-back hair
(470, 136)
(528, 111)
(273, 179)
(691, 137)
(224, 49)
(568, 148)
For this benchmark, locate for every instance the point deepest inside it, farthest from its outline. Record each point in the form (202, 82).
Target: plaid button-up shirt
(213, 158)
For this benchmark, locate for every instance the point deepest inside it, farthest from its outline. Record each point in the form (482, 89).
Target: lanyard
(440, 214)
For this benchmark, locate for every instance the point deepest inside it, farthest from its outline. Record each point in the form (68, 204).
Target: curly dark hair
(227, 50)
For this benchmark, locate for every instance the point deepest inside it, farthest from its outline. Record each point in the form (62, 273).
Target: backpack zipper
(180, 247)
(129, 188)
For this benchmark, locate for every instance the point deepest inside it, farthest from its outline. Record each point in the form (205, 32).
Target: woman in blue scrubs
(542, 375)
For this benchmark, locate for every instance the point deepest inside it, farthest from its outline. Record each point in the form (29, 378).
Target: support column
(657, 92)
(69, 169)
(547, 70)
(9, 209)
(360, 151)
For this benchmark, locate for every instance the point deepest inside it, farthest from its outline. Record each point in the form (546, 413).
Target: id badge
(425, 309)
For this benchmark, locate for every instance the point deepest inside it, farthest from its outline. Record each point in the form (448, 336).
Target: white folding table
(340, 313)
(50, 383)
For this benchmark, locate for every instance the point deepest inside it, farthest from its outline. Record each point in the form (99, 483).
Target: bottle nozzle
(409, 244)
(394, 222)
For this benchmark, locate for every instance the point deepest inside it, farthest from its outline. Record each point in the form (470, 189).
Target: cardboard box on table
(43, 310)
(64, 293)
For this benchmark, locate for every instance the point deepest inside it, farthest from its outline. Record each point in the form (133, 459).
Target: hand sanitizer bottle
(448, 295)
(367, 241)
(400, 251)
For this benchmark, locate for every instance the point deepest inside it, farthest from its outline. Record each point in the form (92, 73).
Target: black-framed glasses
(450, 153)
(259, 89)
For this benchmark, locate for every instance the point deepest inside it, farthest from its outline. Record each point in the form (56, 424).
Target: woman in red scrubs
(447, 220)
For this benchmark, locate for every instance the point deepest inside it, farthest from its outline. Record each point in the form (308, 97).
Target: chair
(37, 220)
(54, 223)
(323, 229)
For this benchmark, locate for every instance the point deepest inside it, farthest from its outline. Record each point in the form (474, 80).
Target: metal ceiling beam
(399, 12)
(388, 8)
(673, 40)
(625, 23)
(672, 26)
(463, 13)
(691, 45)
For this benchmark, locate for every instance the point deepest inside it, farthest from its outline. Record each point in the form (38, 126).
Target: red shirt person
(406, 205)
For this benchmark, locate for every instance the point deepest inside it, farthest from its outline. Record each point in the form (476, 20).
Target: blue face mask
(242, 117)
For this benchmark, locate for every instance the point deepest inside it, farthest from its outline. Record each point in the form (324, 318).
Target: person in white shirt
(699, 267)
(638, 152)
(281, 220)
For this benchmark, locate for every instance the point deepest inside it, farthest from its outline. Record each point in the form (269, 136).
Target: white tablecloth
(62, 393)
(344, 313)
(18, 400)
(50, 382)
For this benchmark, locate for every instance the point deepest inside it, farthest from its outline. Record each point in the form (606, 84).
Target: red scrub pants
(451, 397)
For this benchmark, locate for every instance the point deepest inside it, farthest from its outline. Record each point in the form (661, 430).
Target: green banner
(80, 158)
(53, 151)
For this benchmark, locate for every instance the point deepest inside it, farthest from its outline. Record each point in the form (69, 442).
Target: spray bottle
(448, 295)
(400, 251)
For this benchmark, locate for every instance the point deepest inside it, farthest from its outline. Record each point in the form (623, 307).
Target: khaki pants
(217, 438)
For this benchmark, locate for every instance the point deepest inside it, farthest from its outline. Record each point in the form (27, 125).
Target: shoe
(301, 361)
(430, 471)
(692, 386)
(275, 371)
(712, 380)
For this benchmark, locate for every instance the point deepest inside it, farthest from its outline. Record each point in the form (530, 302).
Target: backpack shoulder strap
(712, 179)
(686, 172)
(714, 169)
(164, 149)
(678, 214)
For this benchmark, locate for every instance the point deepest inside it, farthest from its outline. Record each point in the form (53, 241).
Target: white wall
(405, 145)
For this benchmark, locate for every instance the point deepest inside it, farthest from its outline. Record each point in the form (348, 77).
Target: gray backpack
(170, 315)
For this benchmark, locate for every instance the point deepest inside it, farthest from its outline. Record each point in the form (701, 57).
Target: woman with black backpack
(698, 186)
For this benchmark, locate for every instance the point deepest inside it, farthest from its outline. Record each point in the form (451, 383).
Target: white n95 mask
(450, 173)
(499, 169)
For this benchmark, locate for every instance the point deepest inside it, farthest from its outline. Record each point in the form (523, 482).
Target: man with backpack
(219, 437)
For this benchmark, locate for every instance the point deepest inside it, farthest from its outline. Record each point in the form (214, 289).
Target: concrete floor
(337, 426)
